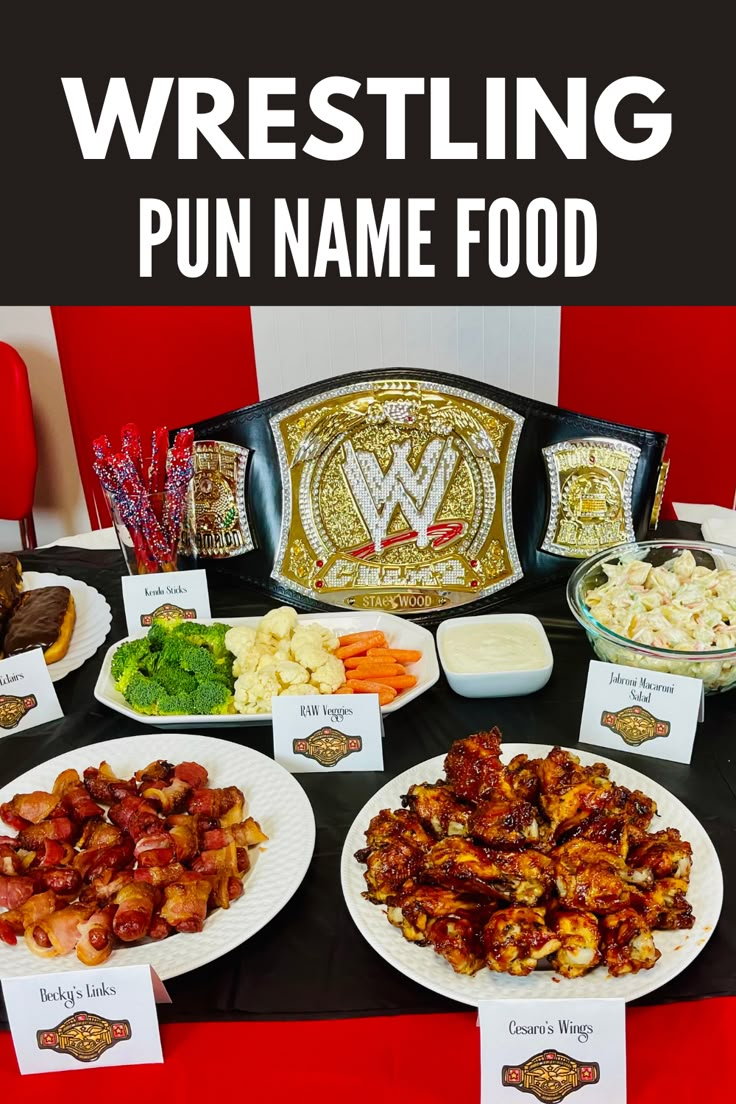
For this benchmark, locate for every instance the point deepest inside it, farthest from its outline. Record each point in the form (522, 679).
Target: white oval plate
(91, 627)
(398, 632)
(422, 965)
(273, 797)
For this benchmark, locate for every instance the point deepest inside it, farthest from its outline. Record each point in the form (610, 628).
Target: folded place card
(170, 595)
(329, 732)
(644, 712)
(548, 1049)
(84, 1018)
(27, 695)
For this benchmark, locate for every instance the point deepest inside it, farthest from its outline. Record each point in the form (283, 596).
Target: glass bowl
(716, 667)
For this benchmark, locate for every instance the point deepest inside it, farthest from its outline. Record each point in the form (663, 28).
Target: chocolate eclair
(43, 618)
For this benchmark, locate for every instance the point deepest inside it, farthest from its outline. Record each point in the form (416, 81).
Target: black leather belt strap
(414, 491)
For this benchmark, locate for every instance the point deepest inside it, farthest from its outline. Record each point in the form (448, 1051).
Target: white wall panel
(512, 347)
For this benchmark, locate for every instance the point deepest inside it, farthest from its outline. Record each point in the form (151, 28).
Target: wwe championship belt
(413, 492)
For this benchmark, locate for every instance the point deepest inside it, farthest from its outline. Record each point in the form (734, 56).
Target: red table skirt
(433, 1058)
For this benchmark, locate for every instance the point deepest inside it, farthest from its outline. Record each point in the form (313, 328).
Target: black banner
(210, 154)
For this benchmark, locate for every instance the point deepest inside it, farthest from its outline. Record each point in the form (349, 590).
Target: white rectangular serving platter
(399, 633)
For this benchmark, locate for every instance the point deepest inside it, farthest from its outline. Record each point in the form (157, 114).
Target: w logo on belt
(418, 492)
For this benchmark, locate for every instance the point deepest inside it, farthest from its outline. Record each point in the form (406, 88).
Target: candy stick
(180, 471)
(130, 440)
(157, 470)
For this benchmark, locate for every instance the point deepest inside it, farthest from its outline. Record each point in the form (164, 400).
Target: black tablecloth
(310, 960)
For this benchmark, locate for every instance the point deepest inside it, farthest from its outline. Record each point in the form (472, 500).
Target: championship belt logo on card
(220, 524)
(14, 708)
(327, 746)
(635, 725)
(397, 496)
(591, 483)
(84, 1036)
(550, 1076)
(168, 612)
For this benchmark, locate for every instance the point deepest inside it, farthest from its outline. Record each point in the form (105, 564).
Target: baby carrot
(398, 682)
(401, 655)
(344, 690)
(386, 694)
(348, 650)
(353, 638)
(370, 670)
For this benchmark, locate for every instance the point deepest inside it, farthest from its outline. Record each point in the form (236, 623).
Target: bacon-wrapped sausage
(37, 907)
(65, 881)
(93, 862)
(104, 785)
(96, 937)
(135, 815)
(185, 902)
(31, 808)
(159, 875)
(55, 853)
(31, 837)
(99, 833)
(218, 803)
(169, 797)
(155, 848)
(79, 804)
(185, 839)
(159, 770)
(192, 773)
(15, 889)
(136, 902)
(10, 861)
(58, 933)
(222, 861)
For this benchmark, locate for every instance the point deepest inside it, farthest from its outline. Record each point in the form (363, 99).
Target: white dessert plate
(273, 797)
(92, 622)
(398, 632)
(422, 965)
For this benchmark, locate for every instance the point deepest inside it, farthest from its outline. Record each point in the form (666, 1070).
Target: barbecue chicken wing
(458, 941)
(628, 945)
(401, 824)
(504, 824)
(515, 939)
(473, 765)
(590, 877)
(560, 770)
(664, 854)
(414, 909)
(438, 808)
(666, 907)
(580, 941)
(523, 877)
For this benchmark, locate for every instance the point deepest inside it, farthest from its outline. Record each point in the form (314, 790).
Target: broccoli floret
(211, 697)
(143, 694)
(159, 633)
(128, 660)
(178, 652)
(211, 637)
(175, 680)
(172, 705)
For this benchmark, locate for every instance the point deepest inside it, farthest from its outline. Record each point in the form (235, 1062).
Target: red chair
(18, 455)
(150, 365)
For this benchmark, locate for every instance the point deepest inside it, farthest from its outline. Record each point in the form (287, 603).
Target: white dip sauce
(478, 648)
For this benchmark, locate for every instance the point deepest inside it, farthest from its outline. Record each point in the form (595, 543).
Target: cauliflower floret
(254, 690)
(245, 662)
(279, 623)
(239, 639)
(290, 673)
(296, 689)
(326, 637)
(309, 654)
(329, 675)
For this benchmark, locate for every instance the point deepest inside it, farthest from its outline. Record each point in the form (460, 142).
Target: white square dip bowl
(492, 683)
